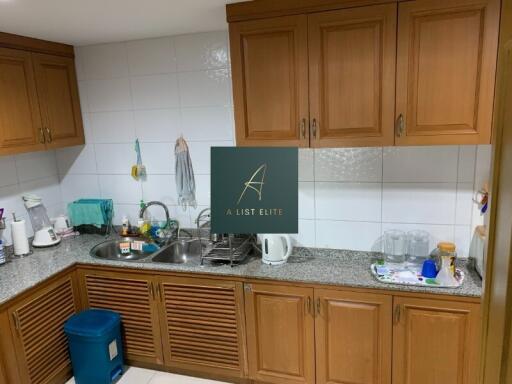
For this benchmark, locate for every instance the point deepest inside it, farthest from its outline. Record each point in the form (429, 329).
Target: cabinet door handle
(303, 128)
(248, 287)
(318, 306)
(400, 126)
(159, 290)
(152, 290)
(49, 132)
(16, 321)
(42, 139)
(308, 304)
(314, 127)
(397, 314)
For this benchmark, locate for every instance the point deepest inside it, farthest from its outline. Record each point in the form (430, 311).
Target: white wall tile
(158, 158)
(306, 200)
(208, 123)
(421, 164)
(200, 154)
(47, 188)
(88, 136)
(358, 236)
(115, 158)
(10, 200)
(184, 217)
(104, 61)
(200, 51)
(467, 158)
(155, 92)
(112, 127)
(75, 187)
(8, 174)
(160, 188)
(306, 164)
(82, 95)
(76, 160)
(36, 165)
(432, 203)
(109, 95)
(79, 67)
(483, 165)
(151, 56)
(158, 125)
(464, 208)
(348, 201)
(205, 88)
(123, 189)
(306, 235)
(203, 189)
(348, 164)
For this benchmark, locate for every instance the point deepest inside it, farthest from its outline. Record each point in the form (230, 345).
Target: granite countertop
(322, 266)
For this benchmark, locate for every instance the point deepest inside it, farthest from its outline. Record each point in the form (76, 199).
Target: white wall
(28, 173)
(156, 89)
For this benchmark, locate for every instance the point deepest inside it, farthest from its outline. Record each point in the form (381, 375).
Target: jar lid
(446, 246)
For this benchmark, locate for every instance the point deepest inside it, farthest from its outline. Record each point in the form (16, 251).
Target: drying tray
(405, 276)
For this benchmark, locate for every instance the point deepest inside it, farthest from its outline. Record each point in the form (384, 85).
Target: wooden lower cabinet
(203, 325)
(134, 297)
(280, 333)
(37, 325)
(353, 337)
(435, 341)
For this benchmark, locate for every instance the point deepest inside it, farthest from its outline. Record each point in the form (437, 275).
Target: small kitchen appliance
(44, 234)
(275, 248)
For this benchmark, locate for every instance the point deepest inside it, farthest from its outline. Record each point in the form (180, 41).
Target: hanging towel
(185, 182)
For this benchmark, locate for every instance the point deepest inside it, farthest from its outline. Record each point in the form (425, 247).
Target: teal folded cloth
(97, 212)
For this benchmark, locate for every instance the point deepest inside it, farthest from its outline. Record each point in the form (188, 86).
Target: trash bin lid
(92, 322)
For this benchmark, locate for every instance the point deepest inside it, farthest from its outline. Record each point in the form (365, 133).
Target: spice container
(445, 256)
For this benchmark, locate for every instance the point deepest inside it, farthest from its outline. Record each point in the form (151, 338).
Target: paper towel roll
(19, 238)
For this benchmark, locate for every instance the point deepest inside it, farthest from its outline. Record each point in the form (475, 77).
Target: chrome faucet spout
(149, 204)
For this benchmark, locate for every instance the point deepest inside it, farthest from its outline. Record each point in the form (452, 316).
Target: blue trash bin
(95, 346)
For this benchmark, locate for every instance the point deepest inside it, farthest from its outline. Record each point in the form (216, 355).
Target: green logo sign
(254, 190)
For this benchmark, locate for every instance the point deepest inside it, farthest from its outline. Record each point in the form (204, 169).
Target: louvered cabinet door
(133, 297)
(38, 325)
(204, 326)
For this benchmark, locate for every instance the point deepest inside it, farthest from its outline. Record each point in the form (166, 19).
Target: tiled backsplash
(157, 89)
(28, 173)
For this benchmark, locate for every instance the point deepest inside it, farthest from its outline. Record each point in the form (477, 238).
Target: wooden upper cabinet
(38, 327)
(353, 337)
(270, 76)
(435, 342)
(20, 118)
(446, 66)
(280, 334)
(59, 101)
(352, 76)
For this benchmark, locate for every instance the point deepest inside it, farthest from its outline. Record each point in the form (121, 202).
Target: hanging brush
(138, 170)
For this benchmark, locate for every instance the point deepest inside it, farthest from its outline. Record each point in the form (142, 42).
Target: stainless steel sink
(179, 252)
(109, 250)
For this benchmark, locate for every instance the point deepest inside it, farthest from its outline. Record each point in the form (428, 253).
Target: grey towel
(185, 182)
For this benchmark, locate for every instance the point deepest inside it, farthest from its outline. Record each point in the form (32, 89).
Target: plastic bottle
(3, 259)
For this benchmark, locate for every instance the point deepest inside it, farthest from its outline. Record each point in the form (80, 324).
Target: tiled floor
(147, 376)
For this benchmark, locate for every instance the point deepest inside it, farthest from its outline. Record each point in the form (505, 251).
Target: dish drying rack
(232, 248)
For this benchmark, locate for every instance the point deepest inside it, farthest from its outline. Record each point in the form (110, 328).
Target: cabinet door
(203, 327)
(353, 337)
(352, 76)
(20, 119)
(435, 342)
(133, 297)
(38, 327)
(280, 334)
(270, 91)
(58, 97)
(446, 71)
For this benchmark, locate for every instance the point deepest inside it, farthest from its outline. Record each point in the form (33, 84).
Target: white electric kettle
(275, 248)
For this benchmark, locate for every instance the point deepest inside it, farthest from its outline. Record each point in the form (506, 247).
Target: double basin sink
(179, 251)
